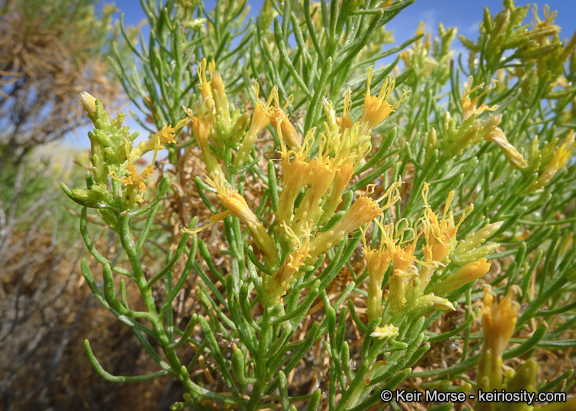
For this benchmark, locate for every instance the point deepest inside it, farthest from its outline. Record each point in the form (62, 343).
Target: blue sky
(464, 14)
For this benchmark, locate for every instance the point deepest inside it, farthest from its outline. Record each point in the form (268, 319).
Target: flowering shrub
(268, 200)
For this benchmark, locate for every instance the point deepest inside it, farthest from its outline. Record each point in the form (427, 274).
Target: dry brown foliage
(49, 52)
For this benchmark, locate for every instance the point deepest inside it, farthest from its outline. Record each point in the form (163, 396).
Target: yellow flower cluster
(134, 182)
(391, 250)
(377, 108)
(440, 234)
(546, 161)
(288, 272)
(408, 283)
(547, 169)
(472, 130)
(118, 154)
(339, 147)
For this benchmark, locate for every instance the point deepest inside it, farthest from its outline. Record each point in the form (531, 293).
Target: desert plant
(355, 236)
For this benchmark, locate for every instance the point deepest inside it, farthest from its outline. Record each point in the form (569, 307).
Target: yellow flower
(469, 107)
(497, 136)
(439, 234)
(281, 280)
(421, 29)
(377, 261)
(333, 167)
(166, 135)
(345, 122)
(220, 98)
(309, 210)
(546, 27)
(377, 108)
(561, 156)
(387, 331)
(471, 131)
(238, 207)
(134, 182)
(260, 117)
(334, 198)
(342, 147)
(296, 173)
(331, 123)
(393, 243)
(260, 120)
(498, 322)
(361, 212)
(201, 127)
(402, 255)
(280, 121)
(205, 85)
(339, 124)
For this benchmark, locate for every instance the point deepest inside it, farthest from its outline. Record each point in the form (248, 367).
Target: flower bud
(434, 301)
(478, 237)
(397, 296)
(205, 84)
(260, 120)
(387, 331)
(471, 248)
(470, 272)
(93, 197)
(377, 261)
(220, 99)
(89, 103)
(201, 127)
(475, 254)
(431, 144)
(497, 136)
